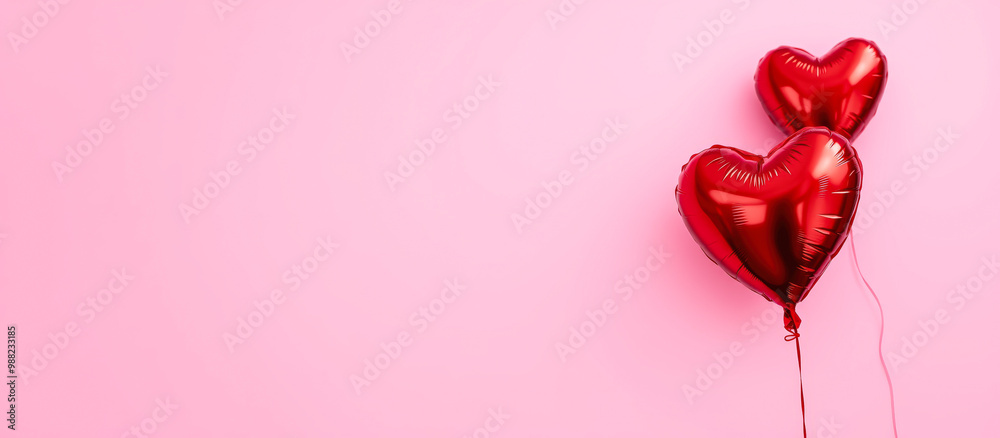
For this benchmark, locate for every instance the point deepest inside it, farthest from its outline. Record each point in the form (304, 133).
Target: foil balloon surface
(773, 223)
(840, 90)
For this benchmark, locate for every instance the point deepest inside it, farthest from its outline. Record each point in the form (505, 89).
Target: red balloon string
(881, 333)
(798, 353)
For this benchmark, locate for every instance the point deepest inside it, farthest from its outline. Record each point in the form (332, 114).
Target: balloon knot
(793, 336)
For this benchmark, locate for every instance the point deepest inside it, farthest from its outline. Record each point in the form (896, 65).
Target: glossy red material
(773, 223)
(840, 90)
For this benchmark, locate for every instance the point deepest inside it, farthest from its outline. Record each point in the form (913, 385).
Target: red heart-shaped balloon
(773, 223)
(840, 91)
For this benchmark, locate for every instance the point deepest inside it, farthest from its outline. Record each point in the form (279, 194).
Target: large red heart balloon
(773, 223)
(840, 91)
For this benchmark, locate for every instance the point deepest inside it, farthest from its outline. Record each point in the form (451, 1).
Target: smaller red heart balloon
(773, 223)
(840, 90)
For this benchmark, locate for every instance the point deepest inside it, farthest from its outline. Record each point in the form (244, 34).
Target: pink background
(493, 347)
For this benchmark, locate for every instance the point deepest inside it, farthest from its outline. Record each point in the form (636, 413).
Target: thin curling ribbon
(794, 336)
(881, 333)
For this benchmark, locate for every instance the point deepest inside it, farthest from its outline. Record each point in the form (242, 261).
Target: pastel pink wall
(301, 220)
